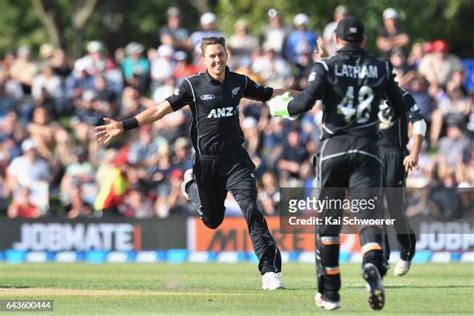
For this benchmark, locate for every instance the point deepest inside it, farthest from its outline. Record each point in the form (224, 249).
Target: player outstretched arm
(255, 91)
(113, 129)
(287, 92)
(411, 161)
(418, 130)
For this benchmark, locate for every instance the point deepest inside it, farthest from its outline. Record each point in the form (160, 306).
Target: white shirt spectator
(26, 171)
(163, 66)
(328, 36)
(272, 68)
(275, 32)
(438, 70)
(208, 29)
(52, 85)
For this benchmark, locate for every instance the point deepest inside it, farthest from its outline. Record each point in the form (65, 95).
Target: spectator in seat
(78, 207)
(274, 33)
(105, 96)
(162, 66)
(272, 68)
(79, 80)
(392, 36)
(300, 44)
(23, 69)
(404, 72)
(455, 143)
(182, 68)
(181, 158)
(112, 187)
(418, 88)
(96, 61)
(60, 64)
(452, 102)
(23, 206)
(328, 34)
(242, 43)
(136, 67)
(439, 66)
(416, 55)
(293, 155)
(47, 90)
(79, 172)
(208, 29)
(143, 151)
(27, 169)
(269, 192)
(42, 131)
(173, 34)
(136, 203)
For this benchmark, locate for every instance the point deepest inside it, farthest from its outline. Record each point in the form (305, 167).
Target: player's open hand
(110, 130)
(410, 162)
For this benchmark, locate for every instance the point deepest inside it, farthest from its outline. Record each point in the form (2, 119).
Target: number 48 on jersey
(356, 111)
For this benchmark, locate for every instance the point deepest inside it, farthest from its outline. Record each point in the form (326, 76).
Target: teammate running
(351, 85)
(220, 163)
(398, 161)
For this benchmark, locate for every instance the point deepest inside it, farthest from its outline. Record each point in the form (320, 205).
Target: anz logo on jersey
(227, 111)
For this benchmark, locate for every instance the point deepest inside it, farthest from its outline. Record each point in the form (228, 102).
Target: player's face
(215, 59)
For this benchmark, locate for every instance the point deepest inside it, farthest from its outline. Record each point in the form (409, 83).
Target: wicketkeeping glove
(279, 105)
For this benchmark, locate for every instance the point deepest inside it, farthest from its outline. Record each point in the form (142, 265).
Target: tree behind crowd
(69, 24)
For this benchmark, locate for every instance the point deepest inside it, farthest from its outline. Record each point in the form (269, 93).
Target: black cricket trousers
(394, 177)
(214, 177)
(348, 162)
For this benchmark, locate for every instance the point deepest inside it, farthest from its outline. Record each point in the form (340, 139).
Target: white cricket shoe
(188, 177)
(272, 281)
(402, 267)
(326, 304)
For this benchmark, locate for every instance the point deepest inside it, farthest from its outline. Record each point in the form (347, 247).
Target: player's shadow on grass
(395, 287)
(411, 286)
(427, 286)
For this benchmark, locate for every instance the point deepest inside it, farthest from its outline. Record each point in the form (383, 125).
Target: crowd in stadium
(52, 165)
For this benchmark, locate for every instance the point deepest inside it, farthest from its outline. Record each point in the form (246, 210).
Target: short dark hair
(213, 40)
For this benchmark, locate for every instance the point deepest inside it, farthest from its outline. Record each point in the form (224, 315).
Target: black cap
(350, 29)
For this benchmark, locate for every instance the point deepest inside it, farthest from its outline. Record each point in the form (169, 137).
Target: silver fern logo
(235, 91)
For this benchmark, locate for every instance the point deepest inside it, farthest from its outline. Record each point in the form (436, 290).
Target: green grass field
(227, 289)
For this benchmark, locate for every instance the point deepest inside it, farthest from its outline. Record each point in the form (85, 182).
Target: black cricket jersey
(351, 85)
(215, 128)
(395, 133)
